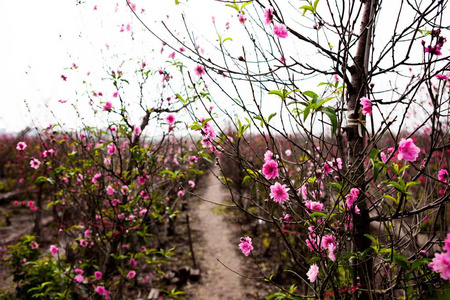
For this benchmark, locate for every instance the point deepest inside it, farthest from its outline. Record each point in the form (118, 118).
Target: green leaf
(306, 112)
(332, 116)
(310, 94)
(315, 5)
(323, 102)
(261, 119)
(397, 186)
(411, 184)
(206, 156)
(419, 262)
(374, 241)
(195, 126)
(365, 252)
(275, 92)
(336, 185)
(401, 260)
(271, 116)
(227, 39)
(313, 260)
(306, 8)
(376, 168)
(374, 153)
(252, 173)
(348, 256)
(245, 179)
(41, 179)
(181, 99)
(318, 214)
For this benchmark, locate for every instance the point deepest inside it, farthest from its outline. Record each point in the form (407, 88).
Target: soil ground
(216, 247)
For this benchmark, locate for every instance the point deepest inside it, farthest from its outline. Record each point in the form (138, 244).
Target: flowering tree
(350, 103)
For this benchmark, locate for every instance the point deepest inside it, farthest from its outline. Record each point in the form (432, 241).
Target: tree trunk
(356, 144)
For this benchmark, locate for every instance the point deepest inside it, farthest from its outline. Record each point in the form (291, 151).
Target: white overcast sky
(39, 40)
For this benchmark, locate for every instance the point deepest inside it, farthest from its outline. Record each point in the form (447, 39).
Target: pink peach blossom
(199, 70)
(53, 249)
(108, 106)
(280, 30)
(35, 163)
(270, 169)
(131, 274)
(313, 273)
(443, 175)
(279, 193)
(246, 245)
(268, 15)
(408, 151)
(366, 106)
(98, 275)
(21, 146)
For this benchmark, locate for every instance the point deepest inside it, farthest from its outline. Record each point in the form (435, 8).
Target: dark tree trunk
(356, 143)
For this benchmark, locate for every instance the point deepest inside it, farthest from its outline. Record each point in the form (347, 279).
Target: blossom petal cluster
(268, 15)
(441, 261)
(246, 245)
(270, 169)
(280, 31)
(21, 146)
(407, 150)
(366, 106)
(313, 272)
(443, 175)
(314, 205)
(351, 197)
(278, 193)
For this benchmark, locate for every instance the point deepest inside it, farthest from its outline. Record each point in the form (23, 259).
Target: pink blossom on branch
(137, 130)
(366, 106)
(21, 146)
(280, 30)
(441, 264)
(101, 290)
(268, 156)
(268, 16)
(447, 243)
(131, 274)
(241, 18)
(314, 205)
(246, 245)
(441, 261)
(442, 76)
(313, 273)
(35, 163)
(108, 106)
(199, 70)
(408, 150)
(98, 275)
(53, 249)
(279, 193)
(351, 197)
(270, 169)
(170, 119)
(443, 175)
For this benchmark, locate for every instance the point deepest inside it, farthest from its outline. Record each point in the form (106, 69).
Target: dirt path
(217, 242)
